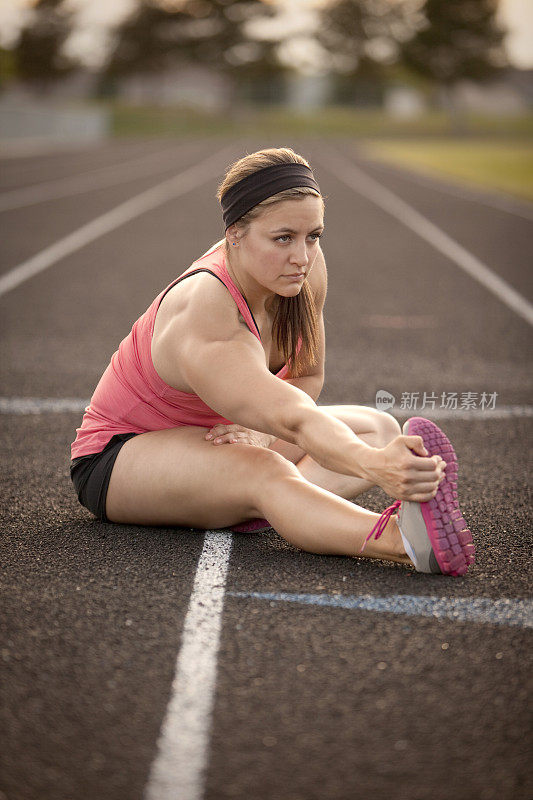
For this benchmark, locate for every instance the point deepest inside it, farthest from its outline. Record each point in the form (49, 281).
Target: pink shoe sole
(448, 533)
(252, 526)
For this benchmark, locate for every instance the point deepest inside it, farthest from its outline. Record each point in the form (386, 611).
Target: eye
(314, 236)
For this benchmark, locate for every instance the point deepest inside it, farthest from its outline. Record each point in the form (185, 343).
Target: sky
(95, 17)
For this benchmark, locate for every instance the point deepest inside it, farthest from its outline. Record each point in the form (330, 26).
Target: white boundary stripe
(178, 770)
(41, 405)
(60, 405)
(146, 201)
(87, 181)
(372, 190)
(501, 412)
(503, 611)
(441, 183)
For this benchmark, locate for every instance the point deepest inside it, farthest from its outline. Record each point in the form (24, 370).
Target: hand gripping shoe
(435, 535)
(435, 531)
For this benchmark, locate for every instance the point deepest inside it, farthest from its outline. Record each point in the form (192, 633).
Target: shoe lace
(381, 524)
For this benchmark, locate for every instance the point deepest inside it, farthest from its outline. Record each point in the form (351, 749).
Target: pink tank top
(131, 397)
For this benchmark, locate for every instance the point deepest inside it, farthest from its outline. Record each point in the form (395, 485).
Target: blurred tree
(264, 80)
(362, 38)
(7, 67)
(38, 53)
(459, 39)
(160, 34)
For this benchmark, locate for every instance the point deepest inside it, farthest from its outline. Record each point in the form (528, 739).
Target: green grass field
(505, 166)
(491, 152)
(334, 121)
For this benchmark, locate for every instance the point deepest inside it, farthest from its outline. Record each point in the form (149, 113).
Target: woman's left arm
(313, 381)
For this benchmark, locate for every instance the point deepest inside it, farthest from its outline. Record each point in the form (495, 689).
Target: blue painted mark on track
(517, 612)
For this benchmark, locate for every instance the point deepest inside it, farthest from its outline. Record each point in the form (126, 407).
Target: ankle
(389, 546)
(395, 542)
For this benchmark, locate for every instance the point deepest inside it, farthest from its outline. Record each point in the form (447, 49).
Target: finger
(423, 475)
(441, 472)
(421, 464)
(422, 497)
(416, 443)
(424, 486)
(216, 430)
(423, 493)
(223, 439)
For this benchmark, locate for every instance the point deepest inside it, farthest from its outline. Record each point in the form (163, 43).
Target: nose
(299, 256)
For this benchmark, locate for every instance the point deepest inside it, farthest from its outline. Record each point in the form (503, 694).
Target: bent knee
(383, 425)
(264, 464)
(388, 427)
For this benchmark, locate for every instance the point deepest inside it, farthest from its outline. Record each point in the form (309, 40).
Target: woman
(206, 415)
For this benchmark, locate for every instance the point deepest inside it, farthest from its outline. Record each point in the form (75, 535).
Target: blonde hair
(294, 317)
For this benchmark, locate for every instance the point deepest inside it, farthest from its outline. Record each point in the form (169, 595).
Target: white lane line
(505, 611)
(178, 185)
(372, 190)
(475, 415)
(439, 183)
(178, 771)
(86, 181)
(41, 405)
(59, 405)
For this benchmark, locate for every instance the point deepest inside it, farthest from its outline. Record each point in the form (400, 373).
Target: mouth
(296, 275)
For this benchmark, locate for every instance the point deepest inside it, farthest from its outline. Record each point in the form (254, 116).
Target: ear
(232, 234)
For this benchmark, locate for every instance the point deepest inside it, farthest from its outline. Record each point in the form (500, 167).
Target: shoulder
(199, 303)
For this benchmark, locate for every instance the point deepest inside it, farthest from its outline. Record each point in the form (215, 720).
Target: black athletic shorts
(90, 475)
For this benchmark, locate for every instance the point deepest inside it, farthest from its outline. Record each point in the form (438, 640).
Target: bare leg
(374, 427)
(176, 477)
(322, 522)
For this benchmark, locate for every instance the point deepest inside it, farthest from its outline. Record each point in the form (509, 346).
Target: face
(279, 248)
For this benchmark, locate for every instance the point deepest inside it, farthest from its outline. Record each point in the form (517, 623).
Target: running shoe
(252, 526)
(435, 536)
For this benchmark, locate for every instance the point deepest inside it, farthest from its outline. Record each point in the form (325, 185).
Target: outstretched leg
(176, 477)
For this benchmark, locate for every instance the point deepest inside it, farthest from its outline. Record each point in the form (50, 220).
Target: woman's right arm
(224, 363)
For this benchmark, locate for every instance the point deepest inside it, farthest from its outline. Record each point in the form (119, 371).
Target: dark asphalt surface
(312, 703)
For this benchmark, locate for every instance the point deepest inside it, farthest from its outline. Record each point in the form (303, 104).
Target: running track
(159, 664)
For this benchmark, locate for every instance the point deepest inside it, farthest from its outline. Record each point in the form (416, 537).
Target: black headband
(255, 188)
